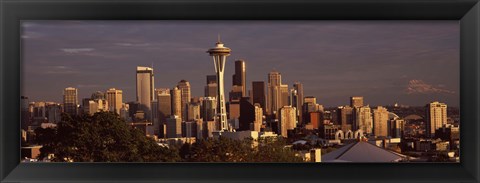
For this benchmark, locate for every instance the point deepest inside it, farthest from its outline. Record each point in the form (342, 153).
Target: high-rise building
(92, 106)
(274, 95)
(257, 124)
(174, 127)
(310, 99)
(211, 79)
(164, 100)
(114, 98)
(363, 119)
(284, 95)
(54, 111)
(219, 54)
(98, 95)
(39, 110)
(316, 119)
(380, 121)
(234, 110)
(247, 114)
(396, 128)
(189, 129)
(345, 117)
(298, 87)
(184, 87)
(154, 117)
(356, 101)
(25, 113)
(193, 111)
(145, 90)
(287, 120)
(235, 94)
(209, 105)
(176, 95)
(124, 112)
(39, 113)
(70, 101)
(201, 129)
(211, 90)
(239, 78)
(132, 109)
(310, 105)
(436, 117)
(211, 87)
(293, 98)
(258, 93)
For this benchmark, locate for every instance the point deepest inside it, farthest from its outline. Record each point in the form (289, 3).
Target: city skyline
(92, 68)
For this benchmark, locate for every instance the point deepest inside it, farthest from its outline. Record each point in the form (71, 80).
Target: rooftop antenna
(218, 39)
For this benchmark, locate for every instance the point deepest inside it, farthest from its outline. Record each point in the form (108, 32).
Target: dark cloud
(76, 50)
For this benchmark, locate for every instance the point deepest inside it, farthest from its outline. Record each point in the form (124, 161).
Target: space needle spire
(219, 54)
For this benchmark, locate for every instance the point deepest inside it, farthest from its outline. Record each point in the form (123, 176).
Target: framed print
(239, 91)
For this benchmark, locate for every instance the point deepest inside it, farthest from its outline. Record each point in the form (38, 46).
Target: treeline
(105, 137)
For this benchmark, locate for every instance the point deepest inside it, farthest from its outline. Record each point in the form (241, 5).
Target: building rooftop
(362, 151)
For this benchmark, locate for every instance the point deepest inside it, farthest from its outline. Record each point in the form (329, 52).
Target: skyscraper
(70, 101)
(257, 124)
(54, 111)
(380, 121)
(154, 117)
(145, 90)
(211, 87)
(298, 87)
(436, 117)
(247, 114)
(284, 95)
(174, 127)
(124, 112)
(176, 95)
(164, 101)
(356, 101)
(219, 54)
(94, 104)
(209, 105)
(274, 96)
(98, 95)
(193, 111)
(25, 113)
(345, 117)
(287, 120)
(316, 120)
(310, 105)
(114, 98)
(258, 93)
(235, 94)
(396, 128)
(184, 87)
(239, 78)
(310, 99)
(211, 79)
(363, 119)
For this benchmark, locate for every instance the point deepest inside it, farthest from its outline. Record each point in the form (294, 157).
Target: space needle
(219, 54)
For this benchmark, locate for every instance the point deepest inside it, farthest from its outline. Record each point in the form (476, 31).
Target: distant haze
(409, 62)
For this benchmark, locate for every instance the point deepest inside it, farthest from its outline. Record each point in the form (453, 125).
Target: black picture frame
(14, 11)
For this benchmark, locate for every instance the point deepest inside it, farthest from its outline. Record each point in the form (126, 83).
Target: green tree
(273, 149)
(228, 150)
(102, 137)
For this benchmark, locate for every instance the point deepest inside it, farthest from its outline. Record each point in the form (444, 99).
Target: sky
(386, 62)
